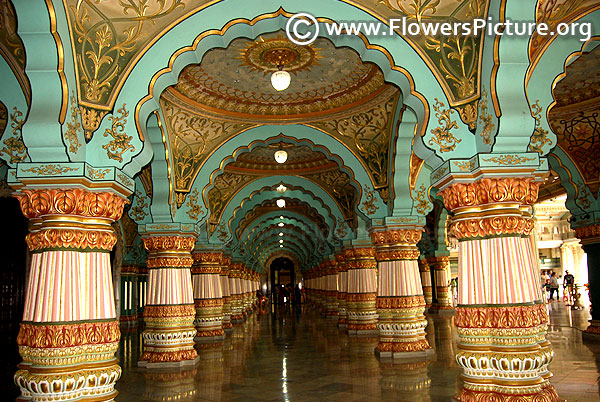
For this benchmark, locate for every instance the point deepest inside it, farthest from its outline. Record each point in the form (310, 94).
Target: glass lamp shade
(281, 80)
(280, 240)
(281, 245)
(280, 233)
(281, 156)
(280, 224)
(281, 189)
(281, 203)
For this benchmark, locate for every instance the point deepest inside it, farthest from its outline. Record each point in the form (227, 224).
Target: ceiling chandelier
(279, 57)
(281, 203)
(280, 156)
(281, 189)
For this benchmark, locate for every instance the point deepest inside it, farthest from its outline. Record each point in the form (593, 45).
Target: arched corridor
(193, 172)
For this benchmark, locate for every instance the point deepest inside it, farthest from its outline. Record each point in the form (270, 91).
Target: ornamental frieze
(169, 262)
(68, 335)
(400, 302)
(75, 239)
(396, 237)
(501, 317)
(169, 243)
(182, 310)
(79, 202)
(490, 190)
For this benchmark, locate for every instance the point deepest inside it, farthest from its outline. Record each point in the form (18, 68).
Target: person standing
(553, 285)
(568, 282)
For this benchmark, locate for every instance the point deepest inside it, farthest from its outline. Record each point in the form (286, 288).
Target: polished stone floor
(296, 355)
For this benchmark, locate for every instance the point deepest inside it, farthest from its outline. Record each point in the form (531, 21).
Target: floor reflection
(294, 354)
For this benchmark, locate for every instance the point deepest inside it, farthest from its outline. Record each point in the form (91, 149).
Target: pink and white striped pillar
(169, 313)
(208, 295)
(400, 301)
(69, 332)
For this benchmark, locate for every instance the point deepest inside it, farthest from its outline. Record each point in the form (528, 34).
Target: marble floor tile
(299, 356)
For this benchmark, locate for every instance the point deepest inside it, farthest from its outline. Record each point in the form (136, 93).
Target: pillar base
(547, 393)
(168, 365)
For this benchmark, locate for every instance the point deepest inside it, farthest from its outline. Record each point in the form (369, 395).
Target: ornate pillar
(426, 282)
(208, 296)
(169, 313)
(400, 301)
(224, 277)
(441, 275)
(247, 302)
(342, 290)
(235, 287)
(362, 290)
(590, 241)
(70, 331)
(501, 317)
(331, 282)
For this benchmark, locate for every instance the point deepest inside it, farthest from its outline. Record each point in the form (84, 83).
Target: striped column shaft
(500, 317)
(362, 290)
(441, 270)
(169, 312)
(342, 290)
(224, 277)
(235, 287)
(208, 295)
(400, 301)
(425, 274)
(69, 332)
(331, 289)
(246, 295)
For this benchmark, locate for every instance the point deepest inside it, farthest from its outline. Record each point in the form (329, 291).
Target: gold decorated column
(441, 274)
(331, 290)
(69, 332)
(501, 317)
(342, 290)
(224, 276)
(169, 313)
(425, 273)
(208, 295)
(235, 287)
(400, 301)
(362, 290)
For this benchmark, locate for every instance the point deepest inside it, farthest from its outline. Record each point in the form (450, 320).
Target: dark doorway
(13, 250)
(282, 275)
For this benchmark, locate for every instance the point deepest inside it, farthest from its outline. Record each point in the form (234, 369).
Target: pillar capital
(70, 218)
(490, 207)
(207, 262)
(394, 243)
(588, 234)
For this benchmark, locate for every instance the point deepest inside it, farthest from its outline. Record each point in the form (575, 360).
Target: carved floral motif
(442, 135)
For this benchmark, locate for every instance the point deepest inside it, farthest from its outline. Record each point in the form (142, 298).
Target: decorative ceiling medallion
(235, 81)
(266, 55)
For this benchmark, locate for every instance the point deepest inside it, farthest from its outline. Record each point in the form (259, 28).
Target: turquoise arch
(160, 58)
(11, 94)
(561, 52)
(270, 237)
(290, 218)
(263, 227)
(259, 190)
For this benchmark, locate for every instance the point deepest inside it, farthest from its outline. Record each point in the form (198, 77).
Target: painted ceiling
(304, 163)
(292, 205)
(575, 117)
(236, 80)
